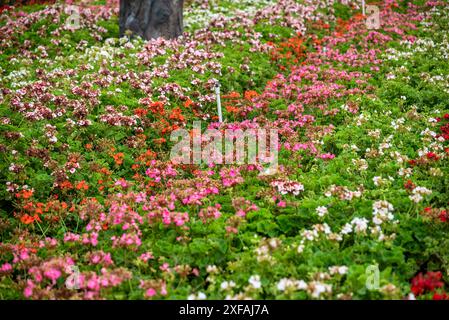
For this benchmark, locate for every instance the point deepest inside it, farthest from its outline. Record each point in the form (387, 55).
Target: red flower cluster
(444, 216)
(445, 127)
(409, 185)
(427, 283)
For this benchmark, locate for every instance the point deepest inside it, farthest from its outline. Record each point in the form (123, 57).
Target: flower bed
(92, 207)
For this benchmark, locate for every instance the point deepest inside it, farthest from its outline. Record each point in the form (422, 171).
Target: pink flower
(28, 291)
(151, 292)
(165, 267)
(281, 204)
(146, 256)
(327, 156)
(6, 267)
(52, 274)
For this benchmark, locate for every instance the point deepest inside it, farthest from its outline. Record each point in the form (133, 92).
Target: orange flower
(28, 206)
(118, 158)
(157, 107)
(66, 185)
(232, 95)
(82, 185)
(25, 194)
(176, 115)
(27, 219)
(159, 141)
(140, 112)
(88, 146)
(250, 94)
(231, 109)
(188, 103)
(105, 171)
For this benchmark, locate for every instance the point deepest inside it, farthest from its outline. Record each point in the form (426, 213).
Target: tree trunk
(151, 19)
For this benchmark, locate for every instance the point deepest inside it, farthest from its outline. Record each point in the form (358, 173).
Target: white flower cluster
(287, 186)
(360, 164)
(201, 13)
(226, 285)
(357, 225)
(418, 194)
(286, 284)
(382, 211)
(338, 270)
(405, 172)
(313, 235)
(255, 282)
(315, 289)
(199, 296)
(265, 249)
(322, 211)
(342, 192)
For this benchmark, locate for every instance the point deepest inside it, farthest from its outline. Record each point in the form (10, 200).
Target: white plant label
(373, 19)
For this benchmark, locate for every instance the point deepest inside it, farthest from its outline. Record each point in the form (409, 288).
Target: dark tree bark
(151, 19)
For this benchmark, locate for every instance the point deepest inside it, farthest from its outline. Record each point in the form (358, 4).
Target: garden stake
(217, 93)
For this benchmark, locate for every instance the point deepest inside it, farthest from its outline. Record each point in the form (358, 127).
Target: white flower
(338, 270)
(360, 224)
(377, 181)
(418, 194)
(321, 211)
(255, 281)
(212, 269)
(347, 228)
(310, 234)
(286, 284)
(227, 285)
(318, 288)
(411, 296)
(282, 284)
(301, 285)
(382, 211)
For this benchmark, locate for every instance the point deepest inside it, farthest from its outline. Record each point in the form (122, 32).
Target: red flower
(409, 185)
(432, 156)
(426, 283)
(443, 216)
(442, 296)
